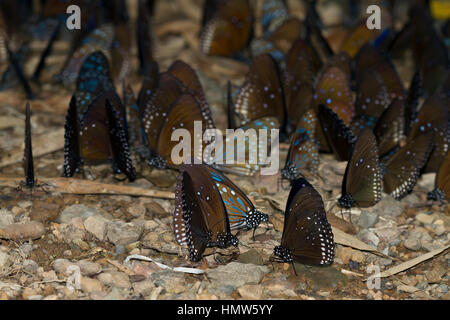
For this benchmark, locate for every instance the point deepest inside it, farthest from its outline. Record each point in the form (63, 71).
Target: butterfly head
(283, 253)
(436, 195)
(224, 240)
(346, 201)
(255, 218)
(157, 162)
(290, 172)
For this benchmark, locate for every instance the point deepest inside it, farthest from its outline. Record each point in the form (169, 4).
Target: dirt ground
(45, 230)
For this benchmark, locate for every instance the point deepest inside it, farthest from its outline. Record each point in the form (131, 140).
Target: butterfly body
(307, 235)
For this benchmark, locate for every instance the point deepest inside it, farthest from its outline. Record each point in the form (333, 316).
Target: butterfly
(99, 137)
(93, 79)
(332, 89)
(247, 153)
(200, 219)
(361, 185)
(390, 127)
(144, 39)
(377, 82)
(261, 95)
(302, 65)
(136, 132)
(339, 137)
(99, 39)
(433, 116)
(442, 182)
(149, 85)
(171, 108)
(359, 36)
(16, 65)
(307, 235)
(28, 151)
(280, 30)
(190, 82)
(401, 171)
(303, 154)
(415, 92)
(241, 211)
(47, 51)
(121, 52)
(227, 27)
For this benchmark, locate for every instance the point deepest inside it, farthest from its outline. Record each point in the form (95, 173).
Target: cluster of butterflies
(351, 103)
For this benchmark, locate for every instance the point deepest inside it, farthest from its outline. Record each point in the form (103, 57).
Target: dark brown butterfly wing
(442, 182)
(121, 53)
(302, 65)
(28, 151)
(149, 85)
(229, 30)
(72, 157)
(182, 115)
(412, 101)
(340, 137)
(286, 34)
(390, 128)
(119, 142)
(205, 221)
(362, 179)
(358, 37)
(262, 92)
(144, 39)
(434, 117)
(377, 81)
(157, 109)
(307, 235)
(403, 169)
(188, 77)
(303, 154)
(332, 89)
(241, 211)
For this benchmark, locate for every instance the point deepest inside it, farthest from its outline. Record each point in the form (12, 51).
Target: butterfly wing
(303, 154)
(262, 93)
(182, 115)
(205, 219)
(434, 117)
(229, 30)
(357, 37)
(302, 65)
(442, 182)
(362, 178)
(240, 210)
(157, 109)
(390, 128)
(144, 39)
(403, 169)
(72, 156)
(28, 151)
(307, 234)
(188, 77)
(338, 135)
(247, 155)
(119, 142)
(99, 39)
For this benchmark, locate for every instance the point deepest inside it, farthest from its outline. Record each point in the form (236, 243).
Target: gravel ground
(56, 246)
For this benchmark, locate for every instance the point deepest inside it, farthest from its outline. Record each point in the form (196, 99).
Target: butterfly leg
(293, 267)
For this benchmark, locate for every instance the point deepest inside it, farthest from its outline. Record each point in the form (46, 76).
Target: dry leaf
(411, 263)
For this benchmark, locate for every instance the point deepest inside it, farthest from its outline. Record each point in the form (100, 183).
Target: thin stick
(78, 186)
